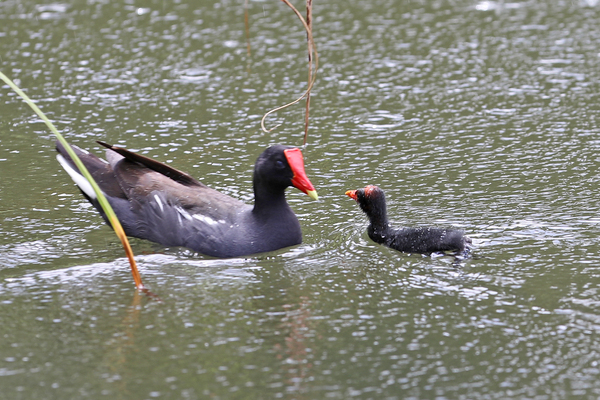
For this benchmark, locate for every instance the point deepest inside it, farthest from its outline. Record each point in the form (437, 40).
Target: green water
(481, 116)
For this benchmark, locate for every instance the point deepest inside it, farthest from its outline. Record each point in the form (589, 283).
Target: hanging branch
(310, 65)
(110, 214)
(311, 82)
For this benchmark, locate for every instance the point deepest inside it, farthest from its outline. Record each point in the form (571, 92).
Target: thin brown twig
(310, 70)
(314, 77)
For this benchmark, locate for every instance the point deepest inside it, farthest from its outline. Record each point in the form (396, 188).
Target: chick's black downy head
(371, 200)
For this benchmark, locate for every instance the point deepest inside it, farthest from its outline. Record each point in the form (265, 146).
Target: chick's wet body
(423, 240)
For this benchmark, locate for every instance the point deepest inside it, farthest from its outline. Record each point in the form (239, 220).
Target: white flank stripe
(79, 179)
(207, 220)
(159, 202)
(183, 213)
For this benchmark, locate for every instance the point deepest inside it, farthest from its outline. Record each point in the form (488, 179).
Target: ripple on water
(479, 116)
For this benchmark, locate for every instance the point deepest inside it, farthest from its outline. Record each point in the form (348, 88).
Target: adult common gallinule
(424, 240)
(156, 202)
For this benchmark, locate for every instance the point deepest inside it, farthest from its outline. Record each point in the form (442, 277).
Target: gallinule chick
(159, 203)
(424, 240)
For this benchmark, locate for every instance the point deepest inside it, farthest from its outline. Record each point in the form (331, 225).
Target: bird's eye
(279, 164)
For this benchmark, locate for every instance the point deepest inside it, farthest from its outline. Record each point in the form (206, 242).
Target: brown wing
(172, 173)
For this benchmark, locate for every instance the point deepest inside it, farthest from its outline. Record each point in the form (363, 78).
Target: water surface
(480, 116)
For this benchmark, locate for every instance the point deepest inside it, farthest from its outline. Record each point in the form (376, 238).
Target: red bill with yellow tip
(300, 180)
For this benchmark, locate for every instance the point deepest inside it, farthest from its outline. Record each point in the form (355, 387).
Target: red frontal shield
(300, 180)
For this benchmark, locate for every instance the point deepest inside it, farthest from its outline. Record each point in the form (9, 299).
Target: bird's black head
(371, 200)
(279, 167)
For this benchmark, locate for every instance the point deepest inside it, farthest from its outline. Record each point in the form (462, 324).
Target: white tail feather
(79, 179)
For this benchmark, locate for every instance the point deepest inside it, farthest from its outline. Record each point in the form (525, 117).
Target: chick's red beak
(352, 194)
(300, 180)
